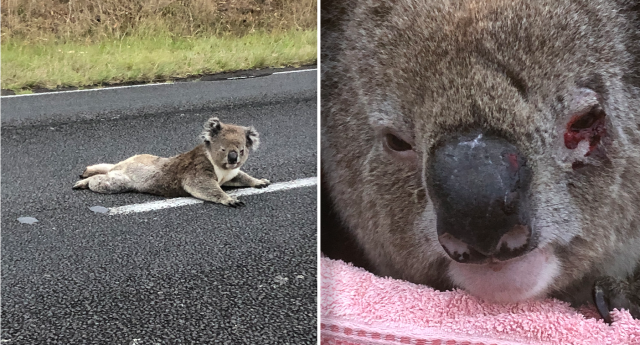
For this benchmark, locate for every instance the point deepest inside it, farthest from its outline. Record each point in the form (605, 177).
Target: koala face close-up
(492, 146)
(229, 145)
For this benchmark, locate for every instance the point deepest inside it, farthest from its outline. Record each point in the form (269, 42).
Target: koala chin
(199, 173)
(492, 146)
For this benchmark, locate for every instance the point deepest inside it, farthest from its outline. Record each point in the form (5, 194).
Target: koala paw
(233, 202)
(610, 293)
(262, 183)
(82, 184)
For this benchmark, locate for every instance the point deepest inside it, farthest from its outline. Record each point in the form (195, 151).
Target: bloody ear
(587, 122)
(253, 138)
(211, 129)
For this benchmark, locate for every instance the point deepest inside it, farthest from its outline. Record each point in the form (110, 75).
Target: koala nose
(479, 186)
(233, 157)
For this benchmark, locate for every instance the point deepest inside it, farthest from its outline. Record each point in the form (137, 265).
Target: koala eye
(398, 147)
(223, 149)
(396, 144)
(242, 152)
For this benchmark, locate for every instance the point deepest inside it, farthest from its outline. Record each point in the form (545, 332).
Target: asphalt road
(194, 274)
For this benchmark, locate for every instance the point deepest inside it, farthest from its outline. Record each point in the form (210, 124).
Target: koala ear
(253, 138)
(211, 129)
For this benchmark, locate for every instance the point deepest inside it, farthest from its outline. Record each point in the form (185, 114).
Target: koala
(492, 146)
(199, 173)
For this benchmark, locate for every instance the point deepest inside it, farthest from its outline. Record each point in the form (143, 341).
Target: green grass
(27, 65)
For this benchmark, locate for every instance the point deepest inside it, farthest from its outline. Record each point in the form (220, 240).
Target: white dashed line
(177, 202)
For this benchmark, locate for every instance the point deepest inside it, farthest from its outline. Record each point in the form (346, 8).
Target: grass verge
(27, 64)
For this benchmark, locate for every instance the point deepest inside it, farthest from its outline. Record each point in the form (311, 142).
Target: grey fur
(211, 129)
(428, 69)
(253, 138)
(199, 173)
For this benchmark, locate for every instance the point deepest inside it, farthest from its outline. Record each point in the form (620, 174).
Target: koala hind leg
(245, 180)
(207, 189)
(110, 183)
(96, 169)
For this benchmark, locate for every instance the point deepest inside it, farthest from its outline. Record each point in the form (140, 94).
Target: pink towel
(358, 307)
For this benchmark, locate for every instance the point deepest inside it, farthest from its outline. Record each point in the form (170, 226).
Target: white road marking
(27, 220)
(296, 71)
(87, 90)
(141, 85)
(177, 202)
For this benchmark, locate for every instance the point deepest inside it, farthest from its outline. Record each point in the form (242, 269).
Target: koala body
(199, 173)
(488, 145)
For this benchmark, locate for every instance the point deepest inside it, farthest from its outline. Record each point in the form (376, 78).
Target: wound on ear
(589, 126)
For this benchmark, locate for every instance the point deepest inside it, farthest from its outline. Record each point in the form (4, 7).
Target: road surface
(192, 274)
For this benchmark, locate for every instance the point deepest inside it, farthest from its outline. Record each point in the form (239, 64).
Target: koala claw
(263, 183)
(235, 203)
(610, 293)
(80, 185)
(601, 303)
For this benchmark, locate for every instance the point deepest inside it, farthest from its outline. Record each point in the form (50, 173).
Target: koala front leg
(245, 180)
(610, 293)
(209, 190)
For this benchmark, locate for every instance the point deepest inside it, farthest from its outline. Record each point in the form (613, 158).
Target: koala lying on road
(488, 145)
(198, 173)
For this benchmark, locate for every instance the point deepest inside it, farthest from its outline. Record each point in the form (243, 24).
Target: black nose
(479, 185)
(233, 157)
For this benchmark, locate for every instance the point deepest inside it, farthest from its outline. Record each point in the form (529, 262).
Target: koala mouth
(231, 166)
(519, 279)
